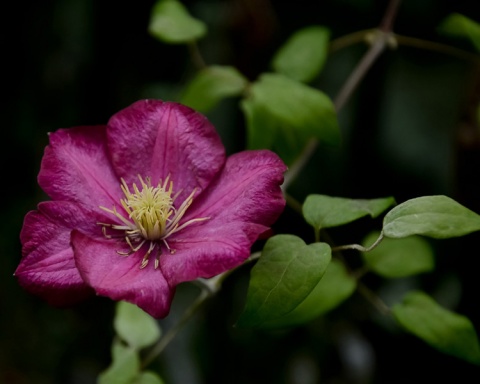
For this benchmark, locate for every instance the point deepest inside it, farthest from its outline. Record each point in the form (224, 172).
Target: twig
(380, 42)
(373, 298)
(172, 332)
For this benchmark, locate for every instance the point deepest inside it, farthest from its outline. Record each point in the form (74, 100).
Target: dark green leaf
(124, 368)
(211, 85)
(286, 273)
(458, 25)
(136, 327)
(447, 331)
(435, 216)
(171, 23)
(323, 211)
(335, 287)
(399, 257)
(284, 114)
(303, 55)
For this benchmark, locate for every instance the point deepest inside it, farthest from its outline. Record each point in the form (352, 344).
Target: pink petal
(120, 277)
(76, 168)
(47, 268)
(241, 204)
(157, 139)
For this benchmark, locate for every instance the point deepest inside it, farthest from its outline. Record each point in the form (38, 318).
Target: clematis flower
(142, 204)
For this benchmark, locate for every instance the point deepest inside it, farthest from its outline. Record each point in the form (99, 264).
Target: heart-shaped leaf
(335, 287)
(284, 276)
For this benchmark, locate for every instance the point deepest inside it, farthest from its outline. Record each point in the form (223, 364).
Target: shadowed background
(409, 131)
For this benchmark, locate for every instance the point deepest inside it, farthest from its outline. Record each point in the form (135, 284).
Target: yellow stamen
(149, 215)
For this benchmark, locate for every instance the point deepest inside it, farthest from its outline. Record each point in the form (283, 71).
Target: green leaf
(211, 85)
(447, 331)
(284, 276)
(137, 328)
(394, 258)
(322, 211)
(435, 216)
(124, 368)
(148, 377)
(458, 25)
(283, 114)
(335, 287)
(171, 23)
(303, 55)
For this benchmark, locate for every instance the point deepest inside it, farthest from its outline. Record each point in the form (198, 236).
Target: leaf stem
(437, 47)
(196, 56)
(359, 247)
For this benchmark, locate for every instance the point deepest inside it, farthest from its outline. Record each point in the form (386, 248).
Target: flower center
(150, 207)
(149, 217)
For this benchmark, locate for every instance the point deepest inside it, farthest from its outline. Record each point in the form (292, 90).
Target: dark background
(409, 131)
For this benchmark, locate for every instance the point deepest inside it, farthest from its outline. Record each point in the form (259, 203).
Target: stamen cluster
(150, 217)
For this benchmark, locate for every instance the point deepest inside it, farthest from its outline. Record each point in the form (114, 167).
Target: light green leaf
(435, 216)
(211, 85)
(303, 55)
(137, 328)
(292, 112)
(335, 287)
(124, 368)
(447, 331)
(394, 258)
(458, 25)
(322, 211)
(284, 276)
(171, 23)
(148, 377)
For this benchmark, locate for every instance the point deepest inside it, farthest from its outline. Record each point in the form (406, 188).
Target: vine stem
(373, 298)
(173, 331)
(380, 41)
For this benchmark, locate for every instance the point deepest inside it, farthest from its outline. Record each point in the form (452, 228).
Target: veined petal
(121, 278)
(241, 204)
(164, 138)
(248, 189)
(48, 268)
(76, 168)
(213, 250)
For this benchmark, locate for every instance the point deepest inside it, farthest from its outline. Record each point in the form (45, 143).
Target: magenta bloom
(142, 204)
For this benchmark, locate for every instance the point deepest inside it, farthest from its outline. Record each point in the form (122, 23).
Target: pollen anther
(149, 216)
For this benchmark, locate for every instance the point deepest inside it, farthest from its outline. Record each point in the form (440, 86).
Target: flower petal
(76, 168)
(163, 138)
(120, 277)
(241, 204)
(47, 268)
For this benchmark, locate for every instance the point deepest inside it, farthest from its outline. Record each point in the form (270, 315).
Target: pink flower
(142, 204)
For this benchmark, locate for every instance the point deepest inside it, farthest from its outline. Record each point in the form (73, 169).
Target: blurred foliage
(411, 129)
